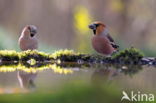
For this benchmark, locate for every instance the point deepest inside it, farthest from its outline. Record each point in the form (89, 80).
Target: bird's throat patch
(94, 31)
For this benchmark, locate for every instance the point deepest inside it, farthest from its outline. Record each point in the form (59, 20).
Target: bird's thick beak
(92, 26)
(33, 31)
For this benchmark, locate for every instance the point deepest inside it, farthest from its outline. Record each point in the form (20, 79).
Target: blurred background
(64, 23)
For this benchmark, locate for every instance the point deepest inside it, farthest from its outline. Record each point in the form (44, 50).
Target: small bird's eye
(29, 28)
(97, 25)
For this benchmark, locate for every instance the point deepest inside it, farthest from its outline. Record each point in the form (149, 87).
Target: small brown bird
(102, 42)
(28, 40)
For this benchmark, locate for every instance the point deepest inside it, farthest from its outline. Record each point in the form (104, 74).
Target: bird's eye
(97, 25)
(29, 28)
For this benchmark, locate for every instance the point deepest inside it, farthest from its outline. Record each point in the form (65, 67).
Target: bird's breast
(102, 45)
(28, 44)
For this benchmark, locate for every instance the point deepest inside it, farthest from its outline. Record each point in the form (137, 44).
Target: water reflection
(97, 74)
(26, 80)
(68, 67)
(103, 75)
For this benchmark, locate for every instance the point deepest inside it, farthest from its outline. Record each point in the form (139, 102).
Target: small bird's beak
(92, 26)
(33, 32)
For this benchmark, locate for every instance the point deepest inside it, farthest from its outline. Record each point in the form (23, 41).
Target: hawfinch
(28, 40)
(102, 42)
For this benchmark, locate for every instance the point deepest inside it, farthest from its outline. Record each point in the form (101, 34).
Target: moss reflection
(66, 67)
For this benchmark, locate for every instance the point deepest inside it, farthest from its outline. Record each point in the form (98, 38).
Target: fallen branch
(128, 56)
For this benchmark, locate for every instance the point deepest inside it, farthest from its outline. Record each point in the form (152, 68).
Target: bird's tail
(115, 46)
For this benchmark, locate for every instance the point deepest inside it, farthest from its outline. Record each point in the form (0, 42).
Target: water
(53, 76)
(49, 78)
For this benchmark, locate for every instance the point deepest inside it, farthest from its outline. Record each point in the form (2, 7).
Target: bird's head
(29, 31)
(97, 27)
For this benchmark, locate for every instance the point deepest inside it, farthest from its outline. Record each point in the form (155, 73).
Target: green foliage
(11, 55)
(65, 55)
(71, 56)
(33, 54)
(60, 53)
(130, 55)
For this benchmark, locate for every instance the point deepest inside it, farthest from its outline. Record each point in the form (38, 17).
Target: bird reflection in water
(104, 75)
(26, 80)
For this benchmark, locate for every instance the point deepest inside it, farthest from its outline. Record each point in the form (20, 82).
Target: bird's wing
(110, 38)
(114, 45)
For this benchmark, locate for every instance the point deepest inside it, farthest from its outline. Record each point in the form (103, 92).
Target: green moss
(9, 55)
(32, 61)
(128, 56)
(33, 54)
(60, 53)
(65, 55)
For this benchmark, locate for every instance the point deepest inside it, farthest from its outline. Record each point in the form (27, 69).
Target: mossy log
(127, 56)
